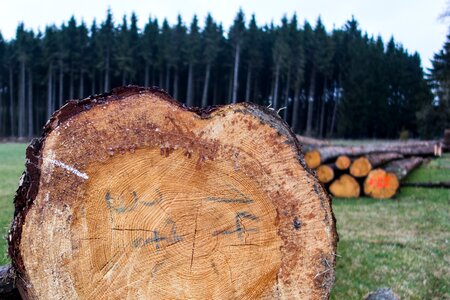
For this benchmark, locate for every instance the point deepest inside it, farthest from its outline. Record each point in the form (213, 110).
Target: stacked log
(375, 170)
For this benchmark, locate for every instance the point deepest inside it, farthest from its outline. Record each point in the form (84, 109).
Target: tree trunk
(50, 104)
(71, 87)
(107, 86)
(322, 110)
(309, 118)
(61, 85)
(335, 108)
(206, 85)
(275, 88)
(175, 84)
(237, 55)
(161, 76)
(384, 183)
(248, 85)
(286, 95)
(296, 109)
(81, 87)
(22, 95)
(113, 213)
(190, 86)
(93, 87)
(30, 104)
(11, 102)
(146, 76)
(167, 86)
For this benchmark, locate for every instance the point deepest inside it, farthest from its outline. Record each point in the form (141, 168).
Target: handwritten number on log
(240, 229)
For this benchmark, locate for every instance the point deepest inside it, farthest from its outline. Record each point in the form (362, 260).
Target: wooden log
(309, 141)
(343, 162)
(132, 195)
(345, 187)
(384, 183)
(363, 165)
(327, 154)
(8, 290)
(325, 173)
(436, 185)
(312, 159)
(446, 140)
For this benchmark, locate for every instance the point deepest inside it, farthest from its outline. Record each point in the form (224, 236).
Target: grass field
(402, 243)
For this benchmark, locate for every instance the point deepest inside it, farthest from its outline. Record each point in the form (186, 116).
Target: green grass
(12, 164)
(402, 243)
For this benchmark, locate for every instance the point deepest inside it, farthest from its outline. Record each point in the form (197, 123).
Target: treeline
(324, 83)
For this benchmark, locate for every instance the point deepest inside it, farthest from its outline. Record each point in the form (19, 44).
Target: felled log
(384, 183)
(326, 154)
(345, 187)
(437, 185)
(131, 195)
(343, 162)
(363, 165)
(309, 141)
(312, 159)
(325, 173)
(446, 140)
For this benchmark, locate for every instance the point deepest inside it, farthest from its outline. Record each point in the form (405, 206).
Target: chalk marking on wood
(68, 168)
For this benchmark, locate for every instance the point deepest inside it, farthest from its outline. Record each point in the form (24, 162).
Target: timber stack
(374, 170)
(131, 195)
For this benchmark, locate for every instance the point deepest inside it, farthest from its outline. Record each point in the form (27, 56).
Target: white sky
(413, 23)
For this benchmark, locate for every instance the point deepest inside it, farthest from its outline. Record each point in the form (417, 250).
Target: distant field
(403, 243)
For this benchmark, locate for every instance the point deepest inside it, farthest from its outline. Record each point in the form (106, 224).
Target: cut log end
(345, 187)
(312, 159)
(343, 162)
(131, 195)
(325, 173)
(381, 184)
(360, 167)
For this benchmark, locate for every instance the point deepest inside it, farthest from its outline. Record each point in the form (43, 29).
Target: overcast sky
(413, 23)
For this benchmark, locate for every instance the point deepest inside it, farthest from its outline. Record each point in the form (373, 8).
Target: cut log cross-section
(384, 183)
(343, 162)
(363, 165)
(131, 195)
(346, 186)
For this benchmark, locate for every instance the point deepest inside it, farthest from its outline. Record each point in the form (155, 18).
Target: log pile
(131, 195)
(373, 170)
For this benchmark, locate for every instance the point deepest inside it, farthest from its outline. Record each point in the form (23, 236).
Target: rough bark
(141, 194)
(8, 289)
